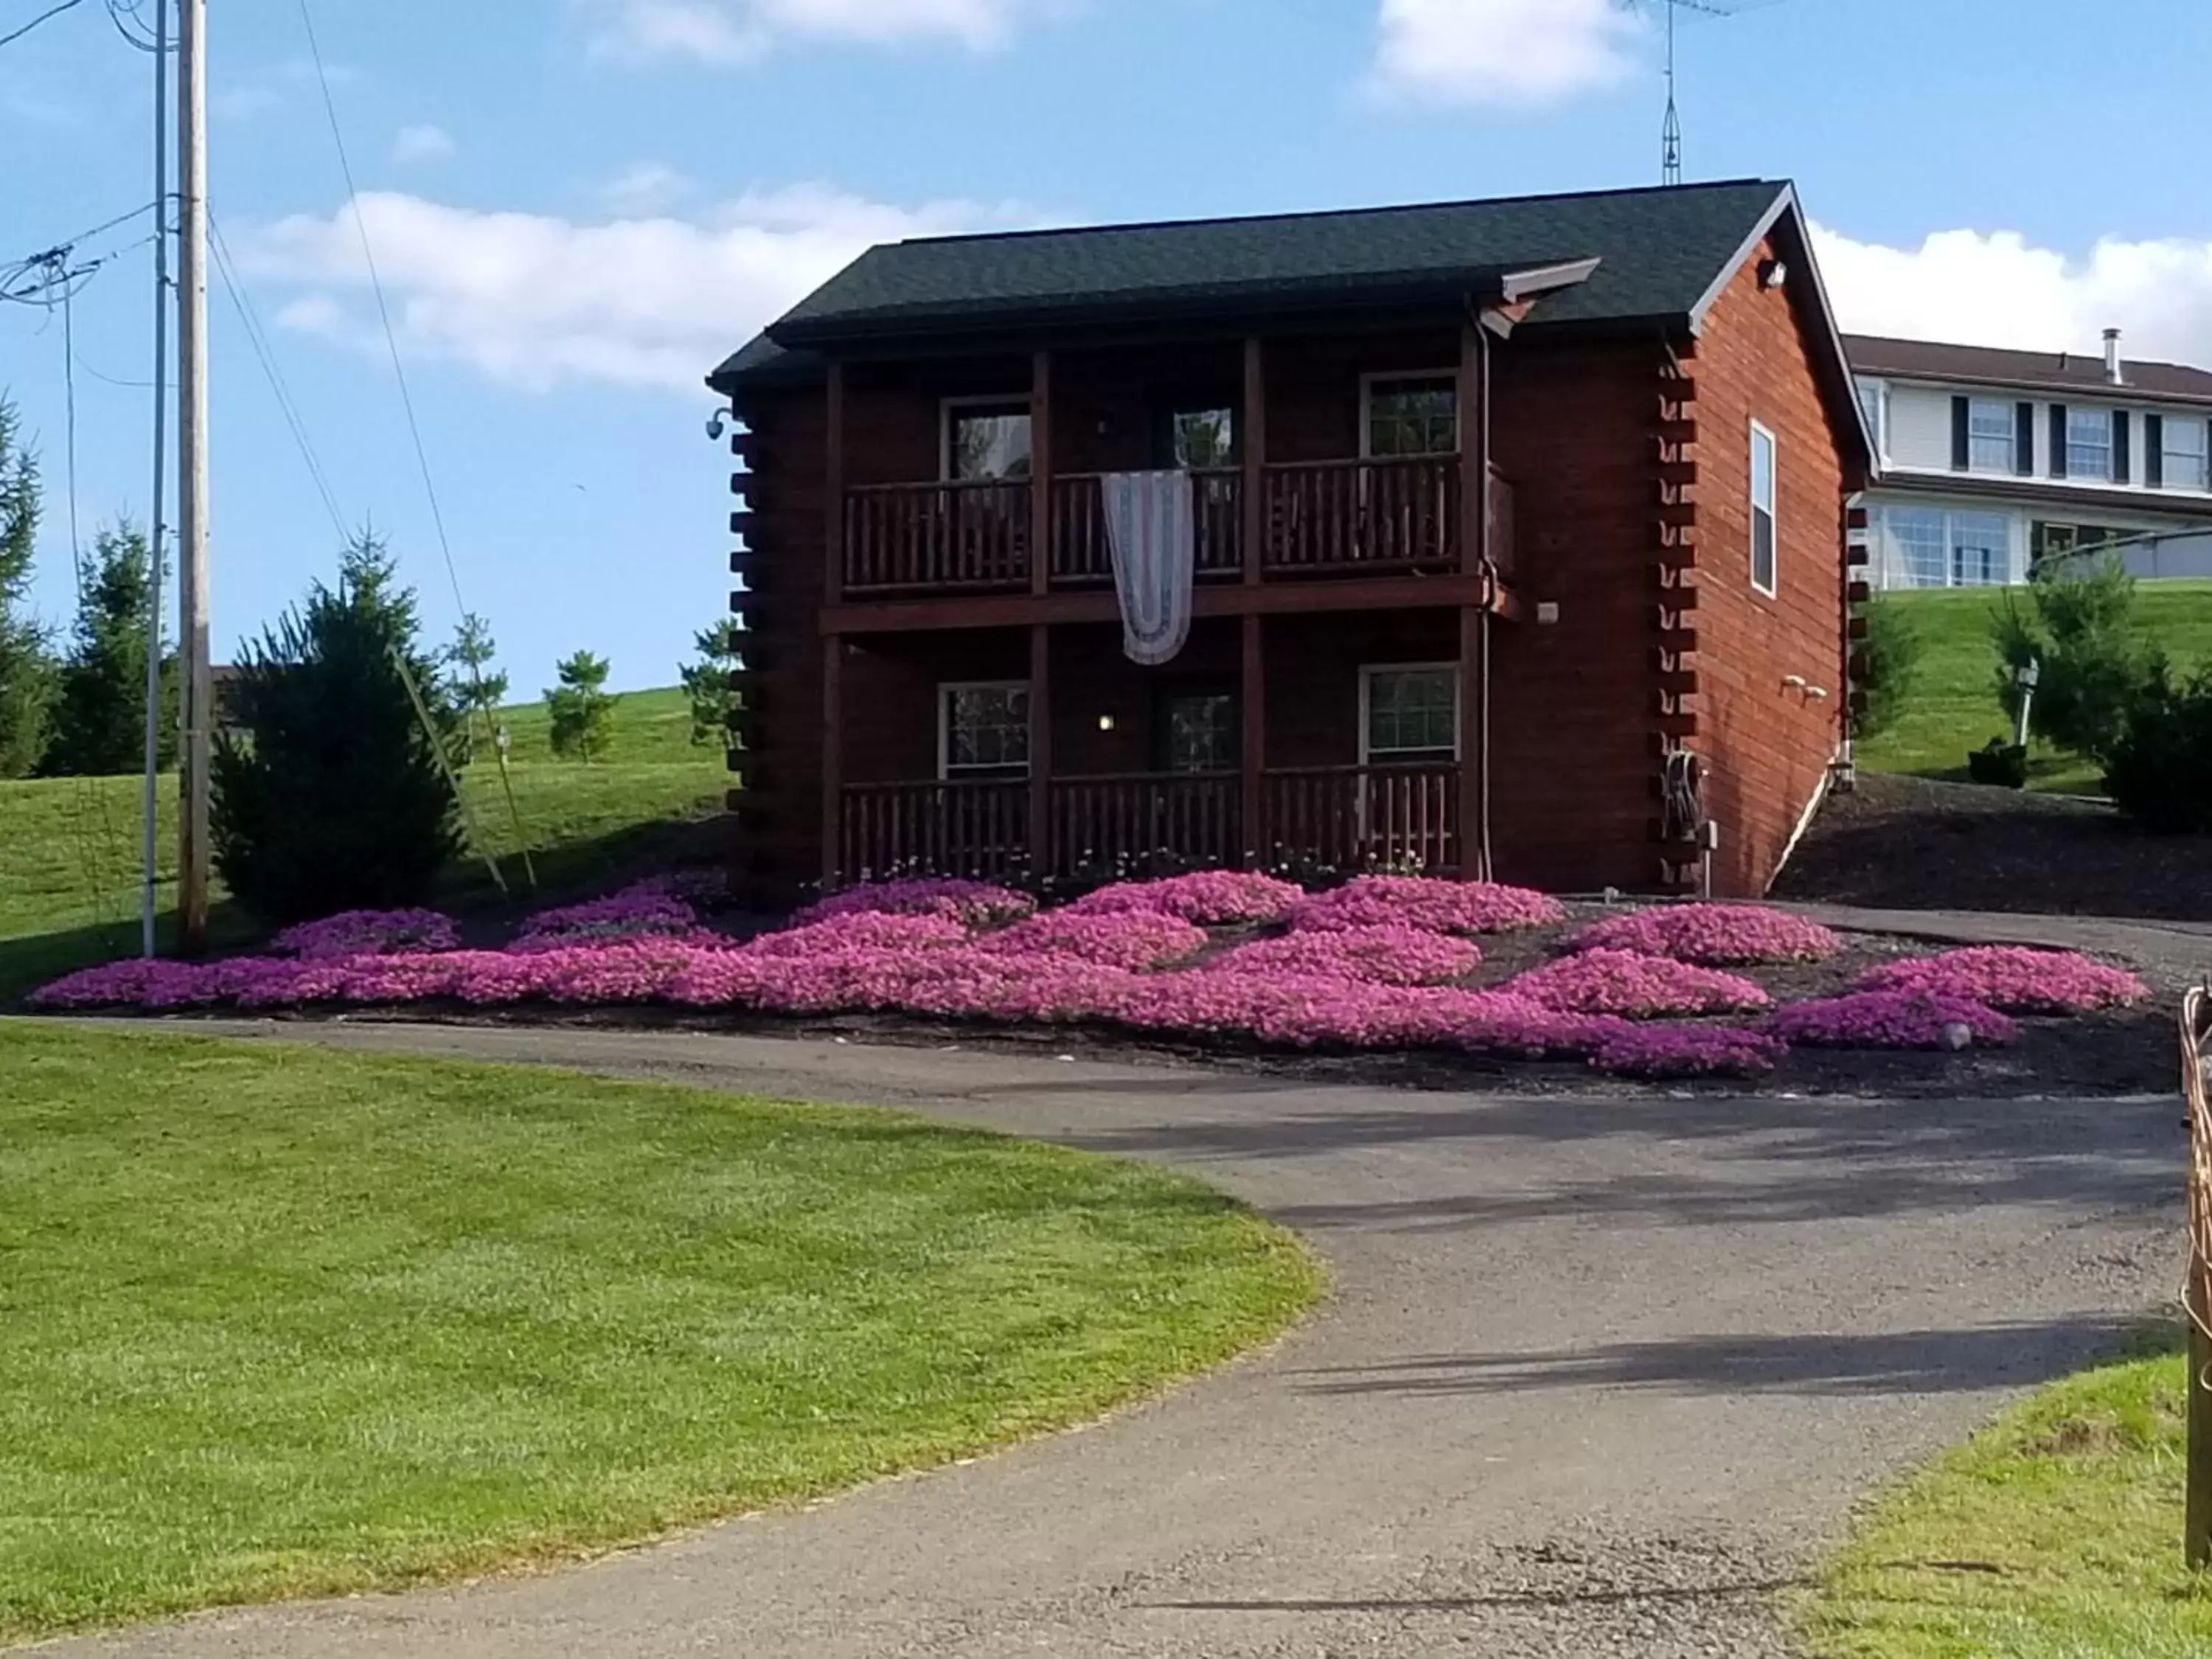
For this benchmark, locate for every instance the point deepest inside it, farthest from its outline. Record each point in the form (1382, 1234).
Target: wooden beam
(833, 490)
(1252, 706)
(1473, 529)
(1040, 472)
(1274, 598)
(832, 756)
(1040, 748)
(1473, 742)
(1254, 440)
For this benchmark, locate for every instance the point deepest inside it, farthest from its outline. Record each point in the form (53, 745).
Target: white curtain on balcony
(1151, 528)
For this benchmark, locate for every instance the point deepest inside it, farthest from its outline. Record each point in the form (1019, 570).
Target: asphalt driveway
(1599, 1376)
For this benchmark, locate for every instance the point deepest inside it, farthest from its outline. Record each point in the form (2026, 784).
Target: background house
(1992, 460)
(1502, 507)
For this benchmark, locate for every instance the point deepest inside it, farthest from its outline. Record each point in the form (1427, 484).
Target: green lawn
(70, 847)
(286, 1322)
(1954, 708)
(2055, 1534)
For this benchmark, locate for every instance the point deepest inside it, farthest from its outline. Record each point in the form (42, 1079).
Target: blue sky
(579, 205)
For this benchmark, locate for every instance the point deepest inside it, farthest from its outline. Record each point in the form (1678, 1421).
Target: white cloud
(423, 143)
(1515, 52)
(644, 188)
(534, 301)
(725, 32)
(1998, 288)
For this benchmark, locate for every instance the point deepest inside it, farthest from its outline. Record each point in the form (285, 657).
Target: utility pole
(151, 804)
(192, 477)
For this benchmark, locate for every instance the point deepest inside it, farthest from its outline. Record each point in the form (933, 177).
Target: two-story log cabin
(1500, 507)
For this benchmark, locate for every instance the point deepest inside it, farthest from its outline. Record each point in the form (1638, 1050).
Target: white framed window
(1992, 434)
(1764, 556)
(2183, 457)
(1409, 712)
(981, 438)
(1981, 550)
(1874, 403)
(1930, 547)
(1408, 414)
(2089, 443)
(982, 727)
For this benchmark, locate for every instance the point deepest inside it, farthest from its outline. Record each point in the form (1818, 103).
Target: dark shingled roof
(1661, 253)
(2051, 371)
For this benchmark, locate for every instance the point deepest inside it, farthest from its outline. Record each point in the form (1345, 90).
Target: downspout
(1490, 592)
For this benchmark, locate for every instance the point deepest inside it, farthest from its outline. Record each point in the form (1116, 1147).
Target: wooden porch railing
(973, 534)
(1103, 820)
(1400, 514)
(1357, 817)
(1081, 551)
(950, 829)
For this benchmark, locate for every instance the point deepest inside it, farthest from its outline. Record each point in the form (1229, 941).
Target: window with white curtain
(2183, 453)
(1991, 433)
(2089, 443)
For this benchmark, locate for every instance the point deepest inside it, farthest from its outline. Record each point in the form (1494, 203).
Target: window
(2089, 443)
(986, 439)
(1201, 439)
(1981, 550)
(2060, 541)
(983, 728)
(1763, 573)
(1991, 433)
(2183, 453)
(1411, 414)
(1928, 547)
(1874, 403)
(1410, 713)
(1200, 732)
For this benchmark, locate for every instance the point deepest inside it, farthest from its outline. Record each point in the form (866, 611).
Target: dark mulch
(1915, 844)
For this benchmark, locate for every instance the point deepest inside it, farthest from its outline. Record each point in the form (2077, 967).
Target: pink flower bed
(973, 903)
(1391, 955)
(1715, 935)
(872, 930)
(1430, 904)
(1659, 1053)
(2012, 979)
(1888, 1019)
(647, 908)
(1636, 987)
(1115, 938)
(1210, 897)
(367, 933)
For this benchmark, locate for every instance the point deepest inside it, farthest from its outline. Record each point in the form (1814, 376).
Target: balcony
(1319, 519)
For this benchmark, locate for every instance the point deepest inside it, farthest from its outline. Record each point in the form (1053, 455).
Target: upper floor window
(983, 727)
(1874, 403)
(1411, 713)
(2183, 450)
(1763, 573)
(1992, 433)
(2089, 443)
(1411, 414)
(984, 439)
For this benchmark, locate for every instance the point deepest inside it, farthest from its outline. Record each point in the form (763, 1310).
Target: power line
(124, 13)
(69, 423)
(43, 17)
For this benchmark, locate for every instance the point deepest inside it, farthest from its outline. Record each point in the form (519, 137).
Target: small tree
(2160, 771)
(2094, 663)
(1892, 648)
(707, 682)
(27, 670)
(328, 795)
(100, 714)
(477, 692)
(583, 714)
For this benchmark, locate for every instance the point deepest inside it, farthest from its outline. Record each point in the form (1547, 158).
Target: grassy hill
(70, 847)
(1954, 709)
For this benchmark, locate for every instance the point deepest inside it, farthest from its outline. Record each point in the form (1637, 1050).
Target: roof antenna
(1670, 134)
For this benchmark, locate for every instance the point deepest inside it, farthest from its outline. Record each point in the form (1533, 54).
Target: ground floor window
(983, 728)
(2059, 541)
(1409, 712)
(1934, 547)
(1201, 732)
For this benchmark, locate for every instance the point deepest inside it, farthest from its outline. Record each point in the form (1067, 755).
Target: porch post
(833, 645)
(833, 491)
(1474, 619)
(1255, 443)
(1040, 472)
(1253, 705)
(1039, 749)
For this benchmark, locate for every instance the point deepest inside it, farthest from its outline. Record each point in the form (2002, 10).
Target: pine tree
(27, 671)
(477, 692)
(583, 714)
(99, 713)
(329, 794)
(707, 682)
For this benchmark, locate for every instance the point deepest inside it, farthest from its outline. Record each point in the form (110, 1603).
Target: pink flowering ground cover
(867, 930)
(1115, 938)
(367, 933)
(971, 903)
(1209, 898)
(1390, 955)
(647, 908)
(1634, 986)
(1888, 1019)
(1714, 935)
(1431, 905)
(2013, 980)
(1664, 1052)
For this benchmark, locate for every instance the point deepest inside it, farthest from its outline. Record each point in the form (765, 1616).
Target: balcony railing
(1398, 515)
(1082, 552)
(1348, 817)
(972, 534)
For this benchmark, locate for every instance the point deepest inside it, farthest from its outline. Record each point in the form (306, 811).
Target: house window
(983, 728)
(1763, 573)
(1203, 440)
(1874, 403)
(2060, 541)
(1411, 414)
(1928, 547)
(1991, 432)
(1409, 712)
(1200, 732)
(2089, 444)
(2182, 450)
(987, 439)
(1981, 550)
